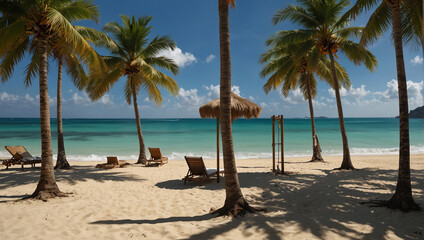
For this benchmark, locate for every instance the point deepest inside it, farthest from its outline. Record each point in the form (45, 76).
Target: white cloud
(251, 98)
(415, 93)
(358, 93)
(235, 89)
(343, 92)
(210, 58)
(214, 90)
(417, 60)
(189, 97)
(294, 97)
(83, 99)
(28, 98)
(106, 100)
(180, 58)
(77, 99)
(7, 97)
(391, 92)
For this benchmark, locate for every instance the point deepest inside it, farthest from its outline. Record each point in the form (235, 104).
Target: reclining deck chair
(156, 157)
(20, 156)
(112, 162)
(196, 167)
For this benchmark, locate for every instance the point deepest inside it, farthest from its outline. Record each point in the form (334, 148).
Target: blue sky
(193, 25)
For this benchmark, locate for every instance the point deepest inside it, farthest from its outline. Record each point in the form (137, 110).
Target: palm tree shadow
(178, 184)
(318, 204)
(13, 178)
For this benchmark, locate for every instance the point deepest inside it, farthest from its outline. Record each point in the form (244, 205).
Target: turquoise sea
(93, 139)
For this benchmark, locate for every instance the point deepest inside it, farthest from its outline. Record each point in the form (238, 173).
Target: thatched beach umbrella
(240, 107)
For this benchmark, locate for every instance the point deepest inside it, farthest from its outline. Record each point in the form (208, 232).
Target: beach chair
(196, 167)
(112, 162)
(20, 156)
(156, 157)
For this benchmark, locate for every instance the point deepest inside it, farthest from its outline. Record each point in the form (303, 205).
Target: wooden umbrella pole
(217, 149)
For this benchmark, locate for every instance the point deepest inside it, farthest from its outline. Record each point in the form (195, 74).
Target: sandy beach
(137, 202)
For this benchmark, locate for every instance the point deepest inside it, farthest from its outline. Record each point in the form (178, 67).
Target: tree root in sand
(238, 209)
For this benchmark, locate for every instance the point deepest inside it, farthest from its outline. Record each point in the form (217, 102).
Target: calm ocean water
(93, 139)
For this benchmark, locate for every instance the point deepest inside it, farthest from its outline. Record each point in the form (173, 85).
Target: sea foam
(239, 155)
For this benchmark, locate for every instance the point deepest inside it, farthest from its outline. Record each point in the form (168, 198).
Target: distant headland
(416, 113)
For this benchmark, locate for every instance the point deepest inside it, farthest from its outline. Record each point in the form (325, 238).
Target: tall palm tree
(395, 12)
(235, 204)
(135, 57)
(28, 26)
(66, 56)
(324, 29)
(287, 68)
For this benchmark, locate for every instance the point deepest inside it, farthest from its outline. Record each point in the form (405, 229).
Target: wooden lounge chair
(196, 167)
(112, 162)
(20, 156)
(156, 157)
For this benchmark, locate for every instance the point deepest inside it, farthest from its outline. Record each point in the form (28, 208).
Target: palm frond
(77, 42)
(163, 62)
(290, 37)
(11, 58)
(33, 67)
(11, 35)
(296, 14)
(379, 22)
(81, 10)
(158, 44)
(358, 54)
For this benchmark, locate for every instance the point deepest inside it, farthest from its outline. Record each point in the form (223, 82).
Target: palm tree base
(236, 209)
(141, 161)
(317, 159)
(403, 203)
(46, 194)
(62, 163)
(345, 168)
(346, 163)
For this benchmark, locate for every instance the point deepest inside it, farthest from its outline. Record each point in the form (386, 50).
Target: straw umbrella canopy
(240, 107)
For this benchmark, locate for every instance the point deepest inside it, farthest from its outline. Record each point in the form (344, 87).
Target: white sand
(140, 202)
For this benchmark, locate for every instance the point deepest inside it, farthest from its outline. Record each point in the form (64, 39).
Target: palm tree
(235, 204)
(28, 26)
(135, 57)
(65, 55)
(287, 68)
(395, 12)
(324, 29)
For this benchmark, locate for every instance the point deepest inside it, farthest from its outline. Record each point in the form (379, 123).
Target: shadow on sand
(16, 177)
(317, 204)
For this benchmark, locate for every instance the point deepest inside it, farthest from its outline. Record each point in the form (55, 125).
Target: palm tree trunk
(316, 155)
(347, 162)
(235, 204)
(61, 162)
(402, 199)
(47, 187)
(142, 154)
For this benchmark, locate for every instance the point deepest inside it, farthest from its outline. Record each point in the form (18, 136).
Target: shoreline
(418, 155)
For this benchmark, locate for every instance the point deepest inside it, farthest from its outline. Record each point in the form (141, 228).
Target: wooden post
(217, 149)
(282, 143)
(273, 143)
